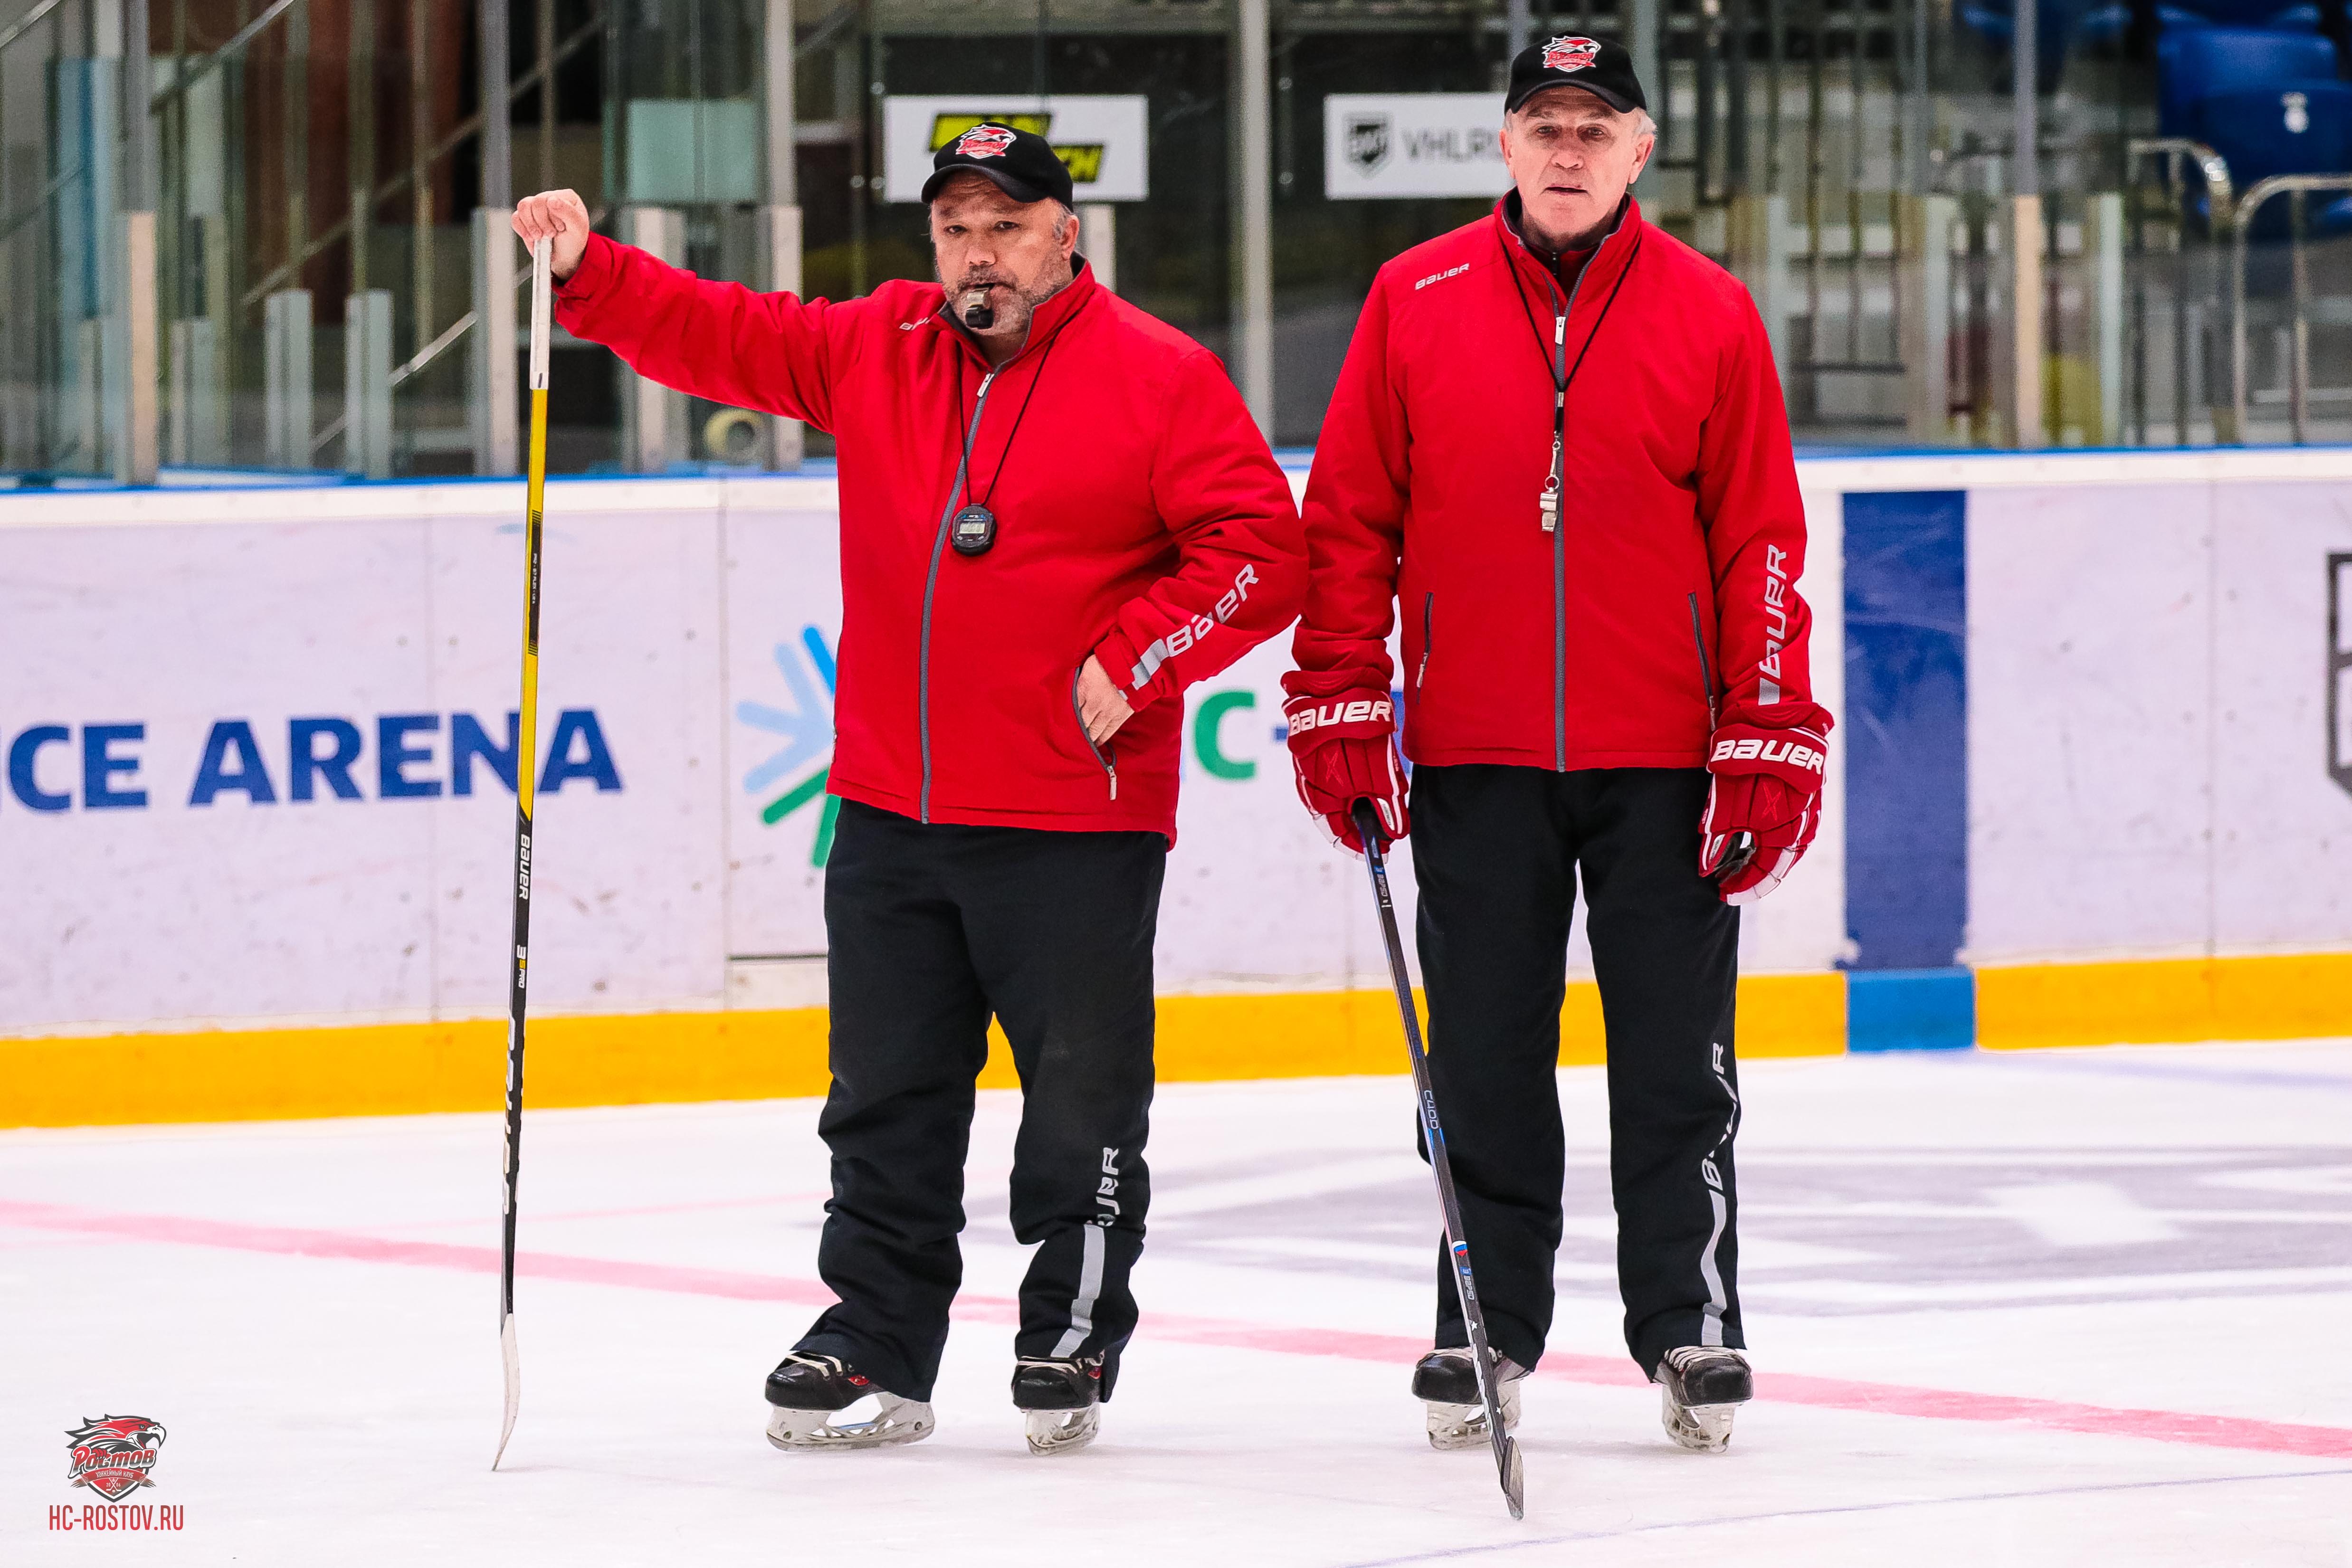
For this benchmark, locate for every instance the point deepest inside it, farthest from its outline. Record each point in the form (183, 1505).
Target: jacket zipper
(930, 588)
(1559, 534)
(1705, 671)
(1428, 605)
(1109, 764)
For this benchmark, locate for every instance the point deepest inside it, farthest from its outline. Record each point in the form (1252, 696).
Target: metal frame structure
(2294, 187)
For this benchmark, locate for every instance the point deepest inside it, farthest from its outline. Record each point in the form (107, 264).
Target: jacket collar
(1049, 317)
(1600, 273)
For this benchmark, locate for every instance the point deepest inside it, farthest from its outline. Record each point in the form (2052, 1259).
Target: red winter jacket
(1680, 528)
(1140, 518)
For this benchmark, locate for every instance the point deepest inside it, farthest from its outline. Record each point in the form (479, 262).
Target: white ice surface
(2155, 1229)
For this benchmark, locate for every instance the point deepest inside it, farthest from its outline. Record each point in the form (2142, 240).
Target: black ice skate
(805, 1392)
(1703, 1387)
(1447, 1383)
(1063, 1402)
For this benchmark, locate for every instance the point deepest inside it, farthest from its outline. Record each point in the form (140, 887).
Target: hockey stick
(526, 767)
(1506, 1449)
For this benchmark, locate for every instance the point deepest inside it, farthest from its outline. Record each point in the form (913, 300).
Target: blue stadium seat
(2108, 22)
(2305, 129)
(2269, 14)
(2193, 64)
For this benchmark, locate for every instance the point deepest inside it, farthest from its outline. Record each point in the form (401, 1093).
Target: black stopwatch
(973, 530)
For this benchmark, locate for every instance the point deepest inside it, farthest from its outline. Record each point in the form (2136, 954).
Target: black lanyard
(1019, 414)
(1548, 503)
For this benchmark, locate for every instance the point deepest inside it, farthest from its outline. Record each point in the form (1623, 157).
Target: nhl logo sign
(1571, 53)
(984, 141)
(1368, 142)
(112, 1455)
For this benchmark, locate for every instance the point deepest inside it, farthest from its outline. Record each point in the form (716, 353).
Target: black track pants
(1497, 851)
(933, 927)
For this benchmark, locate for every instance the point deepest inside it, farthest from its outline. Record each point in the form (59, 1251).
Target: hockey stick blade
(513, 1359)
(1509, 1473)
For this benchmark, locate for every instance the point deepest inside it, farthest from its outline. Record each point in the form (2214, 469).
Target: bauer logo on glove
(1343, 750)
(1801, 751)
(1306, 714)
(1766, 793)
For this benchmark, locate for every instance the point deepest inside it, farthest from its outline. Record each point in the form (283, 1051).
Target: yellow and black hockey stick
(526, 770)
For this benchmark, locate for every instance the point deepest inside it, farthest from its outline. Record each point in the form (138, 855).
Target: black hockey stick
(1506, 1450)
(526, 767)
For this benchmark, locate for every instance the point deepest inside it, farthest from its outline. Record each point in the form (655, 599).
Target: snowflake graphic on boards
(807, 729)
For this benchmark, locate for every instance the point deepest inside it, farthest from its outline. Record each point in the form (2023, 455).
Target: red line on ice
(1787, 1388)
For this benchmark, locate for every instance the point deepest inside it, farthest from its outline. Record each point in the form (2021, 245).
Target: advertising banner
(2150, 728)
(264, 770)
(1392, 144)
(1102, 139)
(259, 768)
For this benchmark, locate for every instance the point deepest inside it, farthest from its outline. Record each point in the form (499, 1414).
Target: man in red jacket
(1557, 442)
(1056, 513)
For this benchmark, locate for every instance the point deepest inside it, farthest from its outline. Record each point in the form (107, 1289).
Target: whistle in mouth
(978, 314)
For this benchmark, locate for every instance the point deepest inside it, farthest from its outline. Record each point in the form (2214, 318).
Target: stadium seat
(2301, 129)
(2109, 23)
(2267, 15)
(2193, 64)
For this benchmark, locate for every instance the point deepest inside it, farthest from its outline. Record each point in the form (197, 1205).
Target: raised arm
(773, 352)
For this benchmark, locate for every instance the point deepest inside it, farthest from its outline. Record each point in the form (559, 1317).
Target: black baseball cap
(1601, 67)
(1021, 163)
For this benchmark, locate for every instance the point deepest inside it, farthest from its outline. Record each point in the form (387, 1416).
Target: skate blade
(897, 1422)
(1701, 1428)
(1063, 1431)
(1453, 1428)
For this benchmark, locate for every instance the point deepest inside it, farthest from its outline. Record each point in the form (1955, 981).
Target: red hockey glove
(1767, 785)
(1343, 750)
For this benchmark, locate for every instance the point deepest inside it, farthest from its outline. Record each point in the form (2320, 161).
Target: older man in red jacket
(1559, 444)
(1056, 513)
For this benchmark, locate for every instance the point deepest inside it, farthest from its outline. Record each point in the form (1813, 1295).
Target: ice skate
(806, 1392)
(1447, 1383)
(1061, 1401)
(1702, 1387)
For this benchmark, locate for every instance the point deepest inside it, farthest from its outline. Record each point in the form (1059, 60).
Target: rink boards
(2091, 782)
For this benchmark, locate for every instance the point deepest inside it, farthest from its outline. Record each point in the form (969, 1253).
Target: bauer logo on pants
(114, 1455)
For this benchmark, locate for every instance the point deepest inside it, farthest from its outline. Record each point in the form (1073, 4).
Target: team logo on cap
(1571, 53)
(984, 141)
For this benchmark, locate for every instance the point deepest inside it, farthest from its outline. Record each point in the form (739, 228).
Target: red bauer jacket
(1665, 597)
(1139, 518)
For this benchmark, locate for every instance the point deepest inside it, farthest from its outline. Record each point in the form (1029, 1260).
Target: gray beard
(1012, 316)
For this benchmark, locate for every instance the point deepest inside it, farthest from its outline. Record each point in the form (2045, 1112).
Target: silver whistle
(1549, 504)
(978, 314)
